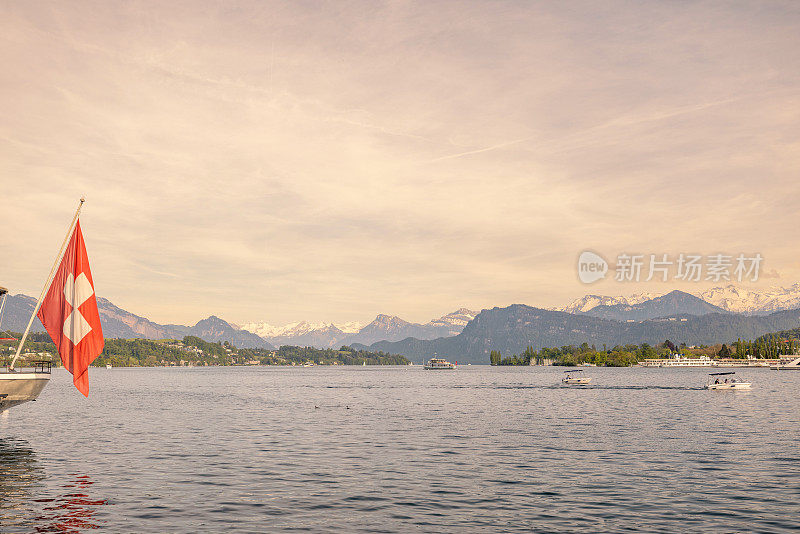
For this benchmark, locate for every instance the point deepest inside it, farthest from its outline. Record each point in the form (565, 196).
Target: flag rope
(46, 285)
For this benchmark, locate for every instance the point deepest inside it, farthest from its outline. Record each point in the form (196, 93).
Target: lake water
(399, 449)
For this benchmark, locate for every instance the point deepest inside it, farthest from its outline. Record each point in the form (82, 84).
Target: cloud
(480, 150)
(256, 159)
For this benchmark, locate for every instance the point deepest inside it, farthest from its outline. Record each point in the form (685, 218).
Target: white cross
(76, 327)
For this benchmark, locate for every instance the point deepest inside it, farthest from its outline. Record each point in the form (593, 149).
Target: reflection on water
(22, 507)
(70, 512)
(19, 473)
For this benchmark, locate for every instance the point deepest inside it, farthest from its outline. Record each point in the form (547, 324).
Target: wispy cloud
(252, 159)
(481, 150)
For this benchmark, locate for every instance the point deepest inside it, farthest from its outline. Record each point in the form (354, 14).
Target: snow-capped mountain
(454, 322)
(382, 328)
(292, 329)
(753, 302)
(729, 298)
(299, 328)
(349, 328)
(589, 302)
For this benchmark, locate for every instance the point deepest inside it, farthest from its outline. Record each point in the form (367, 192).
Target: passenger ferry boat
(439, 363)
(793, 365)
(715, 381)
(577, 380)
(679, 360)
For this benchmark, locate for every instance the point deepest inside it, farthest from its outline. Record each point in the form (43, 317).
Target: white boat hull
(737, 385)
(16, 388)
(576, 381)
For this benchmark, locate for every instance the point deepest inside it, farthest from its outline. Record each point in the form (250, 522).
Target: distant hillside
(121, 324)
(673, 303)
(17, 312)
(512, 329)
(194, 351)
(794, 333)
(118, 323)
(215, 329)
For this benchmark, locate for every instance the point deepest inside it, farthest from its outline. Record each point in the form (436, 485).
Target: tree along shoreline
(193, 351)
(769, 346)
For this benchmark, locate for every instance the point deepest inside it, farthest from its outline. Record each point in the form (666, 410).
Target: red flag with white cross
(69, 312)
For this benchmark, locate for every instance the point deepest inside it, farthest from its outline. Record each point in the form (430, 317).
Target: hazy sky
(333, 160)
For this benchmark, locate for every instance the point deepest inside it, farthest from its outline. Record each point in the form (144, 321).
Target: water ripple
(397, 449)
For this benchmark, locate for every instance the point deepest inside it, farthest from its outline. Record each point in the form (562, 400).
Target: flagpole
(46, 285)
(2, 304)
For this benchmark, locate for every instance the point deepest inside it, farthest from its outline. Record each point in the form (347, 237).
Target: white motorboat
(439, 364)
(574, 377)
(725, 381)
(18, 386)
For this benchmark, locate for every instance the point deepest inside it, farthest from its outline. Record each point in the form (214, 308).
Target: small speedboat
(726, 381)
(574, 377)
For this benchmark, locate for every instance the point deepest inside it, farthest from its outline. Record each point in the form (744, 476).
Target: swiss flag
(69, 313)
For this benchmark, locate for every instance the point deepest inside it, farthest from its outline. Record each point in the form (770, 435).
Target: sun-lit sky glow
(334, 160)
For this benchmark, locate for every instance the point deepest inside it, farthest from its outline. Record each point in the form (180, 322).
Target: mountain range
(637, 307)
(382, 328)
(589, 302)
(118, 323)
(675, 302)
(717, 315)
(729, 298)
(752, 302)
(512, 329)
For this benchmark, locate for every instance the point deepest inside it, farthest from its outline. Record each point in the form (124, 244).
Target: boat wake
(600, 387)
